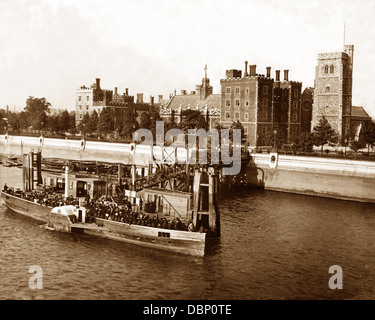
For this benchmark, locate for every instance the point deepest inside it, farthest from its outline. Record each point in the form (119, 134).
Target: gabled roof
(358, 111)
(193, 100)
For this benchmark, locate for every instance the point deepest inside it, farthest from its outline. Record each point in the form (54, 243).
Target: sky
(51, 47)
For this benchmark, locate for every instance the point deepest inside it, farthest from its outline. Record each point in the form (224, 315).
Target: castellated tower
(333, 90)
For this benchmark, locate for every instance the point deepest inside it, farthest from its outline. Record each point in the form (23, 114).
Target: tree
(145, 121)
(323, 134)
(130, 124)
(92, 123)
(36, 110)
(237, 125)
(64, 119)
(304, 142)
(368, 134)
(83, 124)
(192, 119)
(105, 124)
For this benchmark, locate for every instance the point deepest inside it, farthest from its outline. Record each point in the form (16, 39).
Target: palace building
(95, 98)
(201, 99)
(265, 107)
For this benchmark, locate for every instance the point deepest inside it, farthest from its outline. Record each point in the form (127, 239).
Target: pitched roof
(193, 100)
(358, 111)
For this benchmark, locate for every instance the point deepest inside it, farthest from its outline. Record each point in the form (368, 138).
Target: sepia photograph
(183, 156)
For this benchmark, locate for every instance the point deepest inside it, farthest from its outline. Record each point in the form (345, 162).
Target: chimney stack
(152, 100)
(253, 70)
(97, 83)
(116, 91)
(127, 91)
(268, 72)
(245, 73)
(139, 97)
(160, 98)
(286, 75)
(277, 75)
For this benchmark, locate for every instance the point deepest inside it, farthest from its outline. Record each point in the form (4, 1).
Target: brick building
(265, 107)
(95, 98)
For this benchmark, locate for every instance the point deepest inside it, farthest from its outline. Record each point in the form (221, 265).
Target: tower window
(326, 69)
(236, 116)
(237, 90)
(237, 102)
(328, 88)
(227, 103)
(331, 68)
(227, 90)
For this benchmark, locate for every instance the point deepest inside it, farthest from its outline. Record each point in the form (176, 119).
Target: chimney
(97, 83)
(245, 73)
(183, 92)
(116, 91)
(253, 70)
(286, 75)
(277, 75)
(160, 98)
(126, 91)
(268, 72)
(151, 100)
(139, 97)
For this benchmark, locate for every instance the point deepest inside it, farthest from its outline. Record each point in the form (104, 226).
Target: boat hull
(191, 243)
(27, 208)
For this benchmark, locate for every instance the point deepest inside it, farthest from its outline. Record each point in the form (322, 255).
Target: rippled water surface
(273, 246)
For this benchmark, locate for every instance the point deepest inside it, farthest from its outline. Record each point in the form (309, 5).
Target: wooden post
(66, 182)
(196, 199)
(214, 215)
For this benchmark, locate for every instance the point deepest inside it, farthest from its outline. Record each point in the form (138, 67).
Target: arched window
(331, 68)
(326, 69)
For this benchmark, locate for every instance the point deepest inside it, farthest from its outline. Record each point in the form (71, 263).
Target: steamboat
(171, 209)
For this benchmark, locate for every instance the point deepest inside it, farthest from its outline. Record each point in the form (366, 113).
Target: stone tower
(333, 90)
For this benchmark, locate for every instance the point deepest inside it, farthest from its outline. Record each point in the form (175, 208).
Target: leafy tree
(64, 119)
(145, 121)
(323, 134)
(92, 123)
(192, 119)
(37, 110)
(130, 124)
(237, 125)
(304, 142)
(82, 126)
(105, 124)
(368, 134)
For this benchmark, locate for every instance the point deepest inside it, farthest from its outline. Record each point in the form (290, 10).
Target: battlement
(84, 89)
(332, 55)
(257, 76)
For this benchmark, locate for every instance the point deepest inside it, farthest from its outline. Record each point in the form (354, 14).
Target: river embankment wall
(334, 178)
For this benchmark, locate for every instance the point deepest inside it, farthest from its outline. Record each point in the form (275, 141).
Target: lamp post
(274, 140)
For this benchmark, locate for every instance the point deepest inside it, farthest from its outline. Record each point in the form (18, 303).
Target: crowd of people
(114, 212)
(44, 198)
(104, 209)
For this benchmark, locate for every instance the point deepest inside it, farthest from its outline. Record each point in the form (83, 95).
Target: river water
(273, 246)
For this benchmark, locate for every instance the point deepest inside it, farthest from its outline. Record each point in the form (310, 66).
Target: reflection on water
(273, 246)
